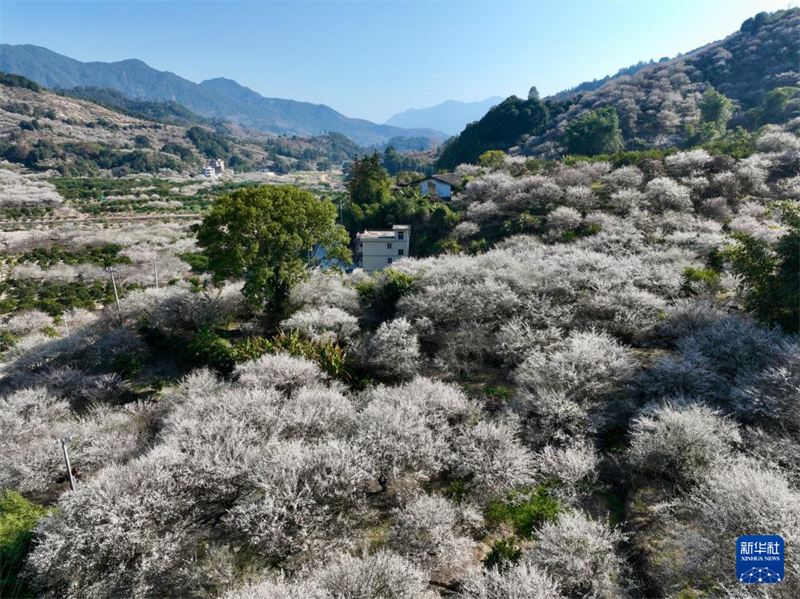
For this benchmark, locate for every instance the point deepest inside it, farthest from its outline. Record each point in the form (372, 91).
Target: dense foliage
(499, 129)
(263, 235)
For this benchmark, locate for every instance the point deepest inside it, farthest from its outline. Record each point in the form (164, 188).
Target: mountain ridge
(213, 98)
(450, 116)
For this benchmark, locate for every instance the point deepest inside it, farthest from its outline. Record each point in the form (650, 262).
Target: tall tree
(264, 235)
(715, 108)
(369, 182)
(596, 132)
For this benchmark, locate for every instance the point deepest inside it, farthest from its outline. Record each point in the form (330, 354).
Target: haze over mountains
(450, 116)
(217, 98)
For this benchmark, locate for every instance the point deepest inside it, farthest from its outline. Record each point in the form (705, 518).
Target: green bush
(525, 510)
(770, 278)
(504, 552)
(706, 279)
(18, 518)
(383, 291)
(456, 490)
(126, 365)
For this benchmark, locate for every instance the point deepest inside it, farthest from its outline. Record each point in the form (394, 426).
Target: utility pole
(155, 270)
(66, 462)
(111, 271)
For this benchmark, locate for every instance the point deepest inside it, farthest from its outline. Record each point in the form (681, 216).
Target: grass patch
(525, 510)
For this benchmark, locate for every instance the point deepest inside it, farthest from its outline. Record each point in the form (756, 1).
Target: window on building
(388, 246)
(401, 235)
(399, 252)
(389, 260)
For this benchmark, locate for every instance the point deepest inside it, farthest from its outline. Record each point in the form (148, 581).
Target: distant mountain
(450, 116)
(216, 98)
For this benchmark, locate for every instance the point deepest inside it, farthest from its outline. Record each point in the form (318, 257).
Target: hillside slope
(215, 98)
(42, 130)
(657, 103)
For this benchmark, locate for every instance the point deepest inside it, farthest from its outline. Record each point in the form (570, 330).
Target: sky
(371, 59)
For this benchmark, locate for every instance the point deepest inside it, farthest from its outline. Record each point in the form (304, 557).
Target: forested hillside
(659, 105)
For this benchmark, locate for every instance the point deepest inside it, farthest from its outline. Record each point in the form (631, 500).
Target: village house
(375, 250)
(439, 186)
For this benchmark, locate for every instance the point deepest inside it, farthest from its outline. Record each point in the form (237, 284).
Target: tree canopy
(263, 235)
(596, 132)
(499, 129)
(369, 182)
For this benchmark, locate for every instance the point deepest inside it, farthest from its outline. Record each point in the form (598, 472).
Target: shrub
(503, 555)
(571, 470)
(279, 371)
(525, 510)
(126, 365)
(392, 352)
(579, 553)
(411, 427)
(491, 459)
(744, 495)
(770, 280)
(772, 396)
(682, 442)
(424, 531)
(664, 194)
(325, 289)
(563, 219)
(382, 575)
(522, 580)
(562, 389)
(326, 323)
(25, 323)
(384, 291)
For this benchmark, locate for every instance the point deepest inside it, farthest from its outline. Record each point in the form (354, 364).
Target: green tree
(716, 109)
(492, 159)
(777, 107)
(499, 129)
(770, 276)
(264, 235)
(369, 182)
(596, 132)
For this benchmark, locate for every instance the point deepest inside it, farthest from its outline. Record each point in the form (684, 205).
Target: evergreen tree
(596, 132)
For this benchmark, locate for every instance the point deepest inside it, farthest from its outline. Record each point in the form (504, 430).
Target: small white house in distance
(375, 250)
(439, 186)
(209, 171)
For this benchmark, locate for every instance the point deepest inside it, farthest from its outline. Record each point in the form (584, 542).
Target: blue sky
(372, 59)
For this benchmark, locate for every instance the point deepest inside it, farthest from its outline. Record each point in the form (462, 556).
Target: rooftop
(377, 235)
(449, 178)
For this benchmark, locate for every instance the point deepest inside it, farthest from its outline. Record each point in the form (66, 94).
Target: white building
(439, 186)
(209, 171)
(375, 250)
(219, 166)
